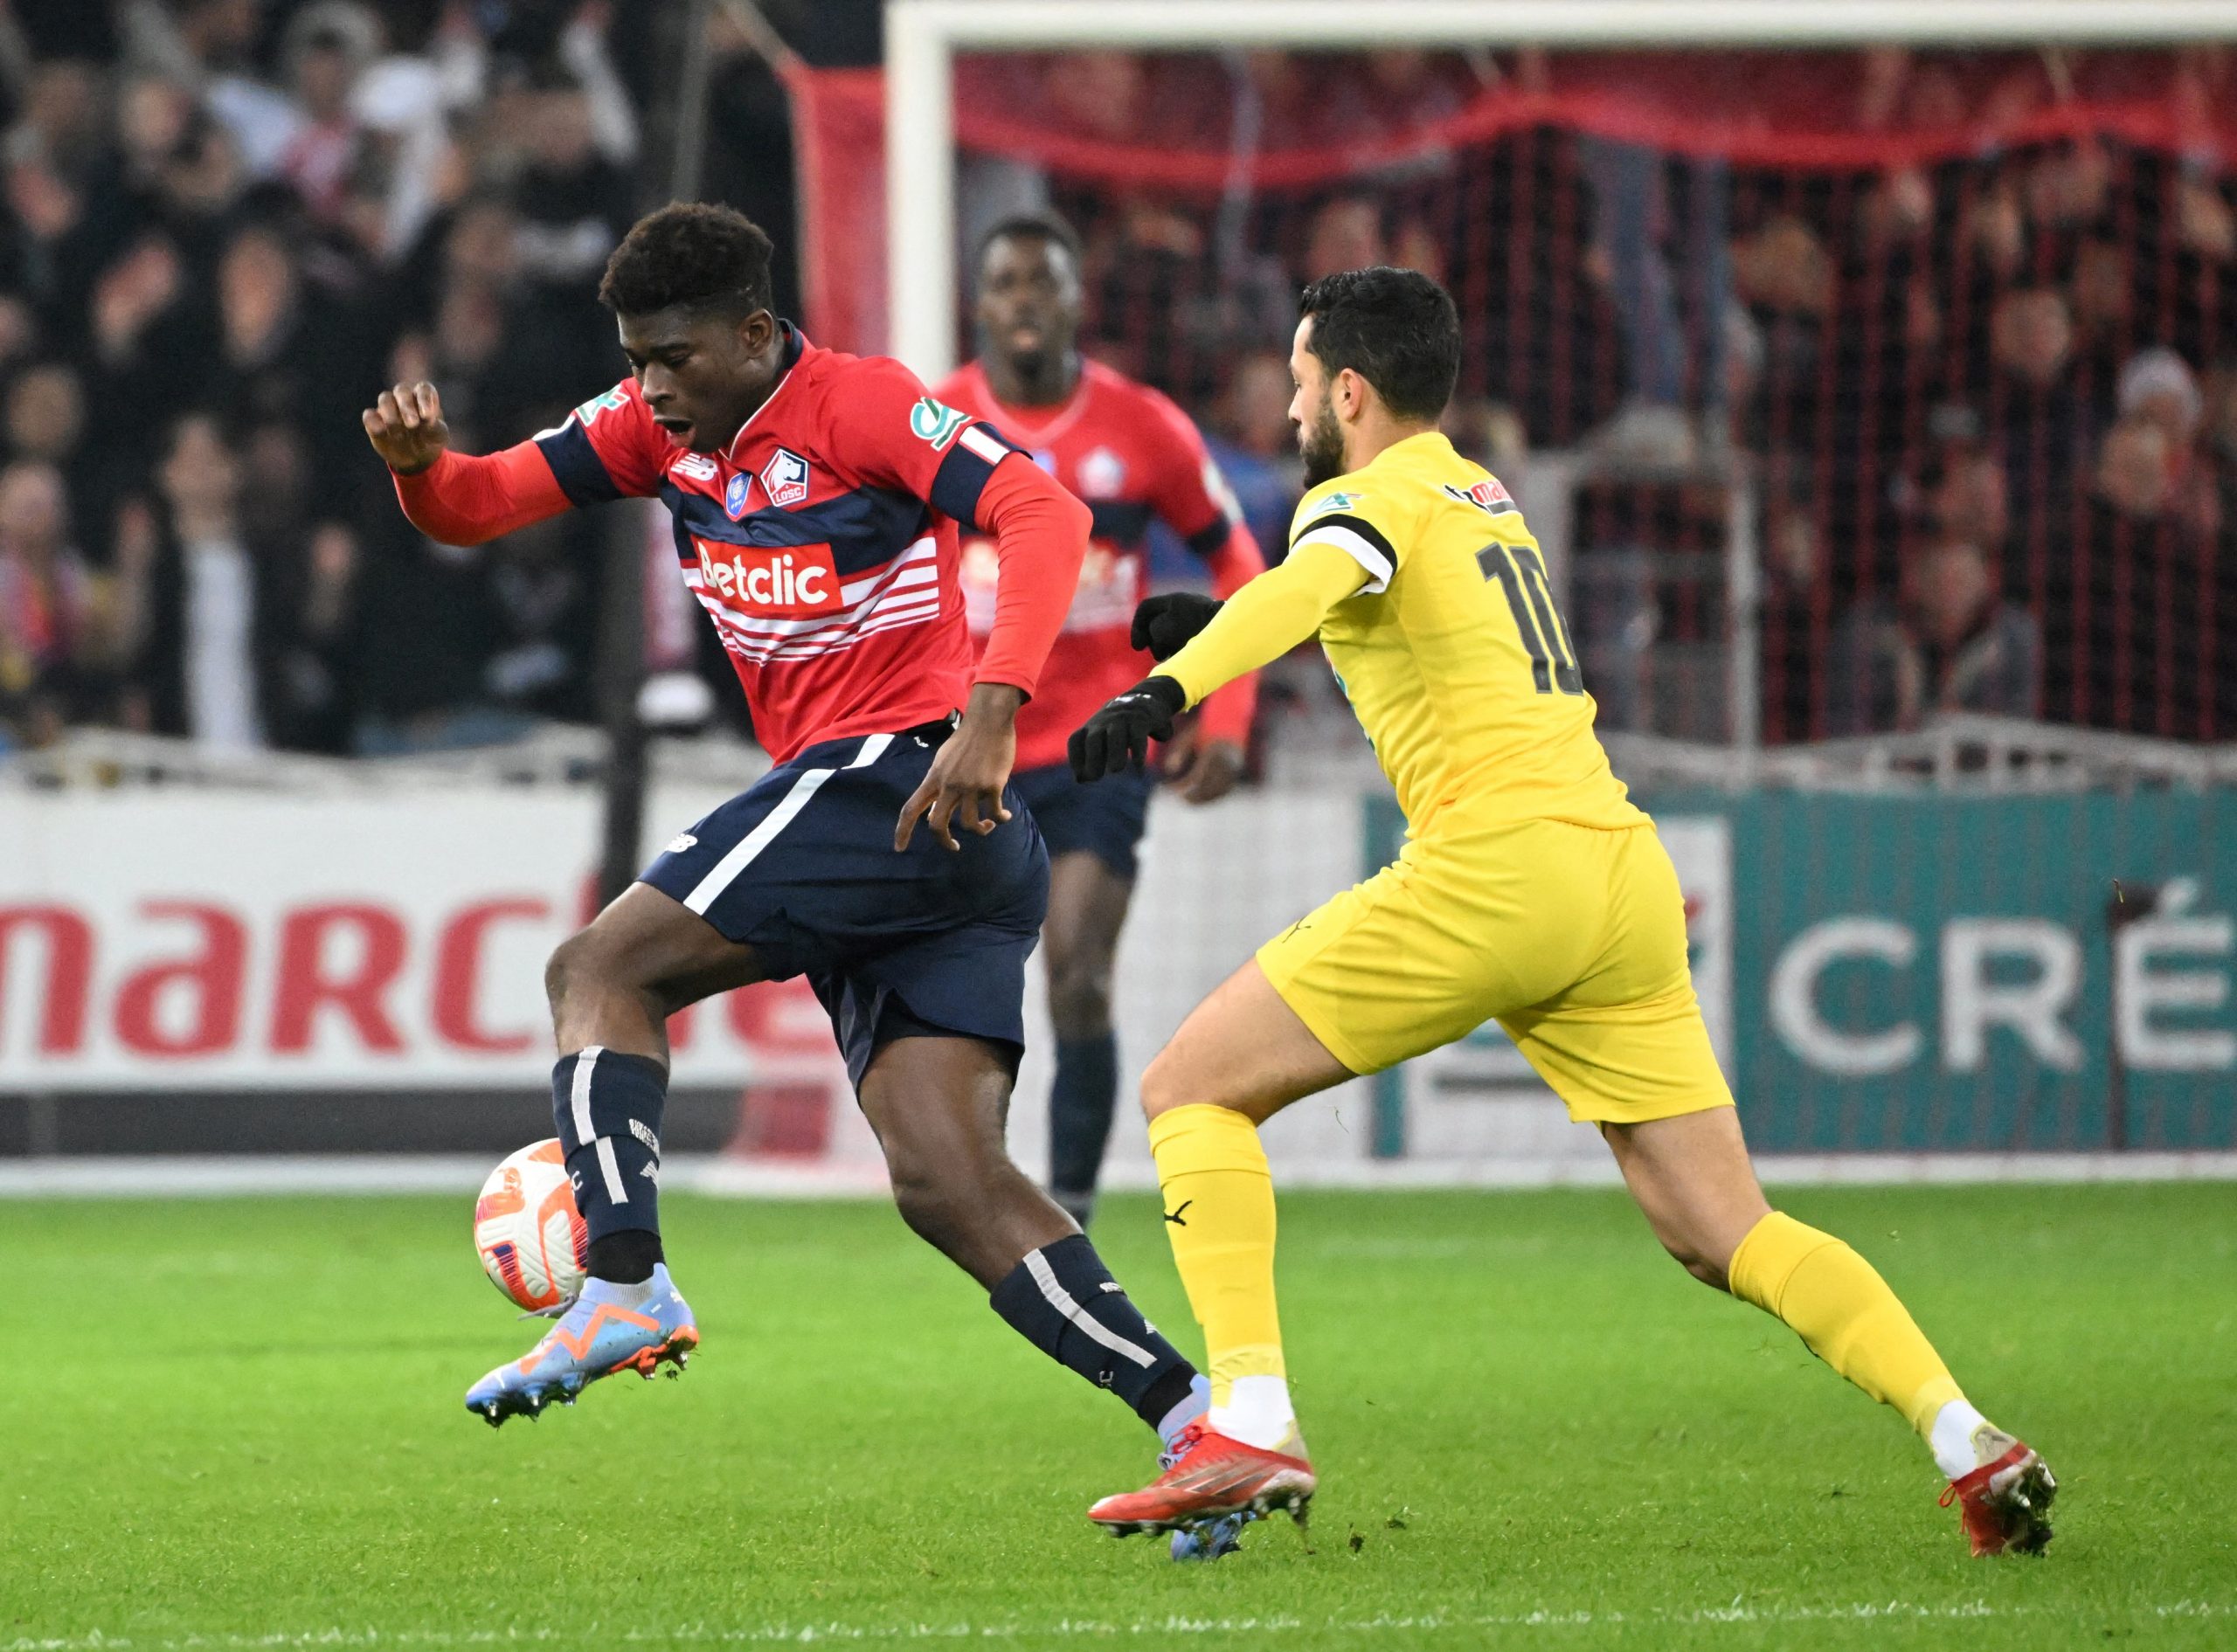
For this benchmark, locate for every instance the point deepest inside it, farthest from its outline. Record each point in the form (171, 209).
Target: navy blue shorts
(1105, 817)
(801, 868)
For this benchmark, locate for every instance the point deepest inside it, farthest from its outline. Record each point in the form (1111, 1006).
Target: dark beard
(1322, 447)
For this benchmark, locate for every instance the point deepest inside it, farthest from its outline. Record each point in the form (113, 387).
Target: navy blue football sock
(1080, 1103)
(608, 1106)
(1063, 1300)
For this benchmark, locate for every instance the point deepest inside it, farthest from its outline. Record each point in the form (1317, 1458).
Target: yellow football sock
(1835, 1301)
(1219, 1205)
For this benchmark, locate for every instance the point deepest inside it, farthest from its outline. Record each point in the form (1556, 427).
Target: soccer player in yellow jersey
(1530, 890)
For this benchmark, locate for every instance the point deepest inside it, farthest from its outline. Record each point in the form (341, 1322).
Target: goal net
(1853, 384)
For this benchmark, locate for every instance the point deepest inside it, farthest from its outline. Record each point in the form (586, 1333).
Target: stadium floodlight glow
(922, 36)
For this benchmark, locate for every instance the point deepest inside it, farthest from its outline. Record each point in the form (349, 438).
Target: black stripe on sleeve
(962, 476)
(1359, 525)
(581, 473)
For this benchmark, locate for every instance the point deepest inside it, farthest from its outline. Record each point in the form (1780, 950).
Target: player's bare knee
(930, 1210)
(1079, 1000)
(569, 968)
(1161, 1088)
(949, 1207)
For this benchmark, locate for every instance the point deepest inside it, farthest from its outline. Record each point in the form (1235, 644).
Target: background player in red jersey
(1133, 456)
(817, 499)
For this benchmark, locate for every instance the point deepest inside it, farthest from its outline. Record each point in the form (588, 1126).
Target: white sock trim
(1062, 1301)
(579, 1095)
(616, 1189)
(1257, 1412)
(1951, 1439)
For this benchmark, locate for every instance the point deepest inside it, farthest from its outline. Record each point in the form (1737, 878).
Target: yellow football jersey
(1452, 656)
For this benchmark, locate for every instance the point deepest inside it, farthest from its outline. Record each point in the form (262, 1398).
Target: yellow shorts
(1572, 937)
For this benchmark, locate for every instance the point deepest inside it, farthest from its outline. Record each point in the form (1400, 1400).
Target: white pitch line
(811, 1633)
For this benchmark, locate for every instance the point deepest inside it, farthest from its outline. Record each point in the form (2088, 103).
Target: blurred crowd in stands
(226, 225)
(1985, 406)
(1982, 392)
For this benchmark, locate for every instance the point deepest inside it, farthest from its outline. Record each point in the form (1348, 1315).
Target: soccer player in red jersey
(818, 500)
(1133, 456)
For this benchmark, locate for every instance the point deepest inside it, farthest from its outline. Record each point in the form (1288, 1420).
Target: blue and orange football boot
(1209, 1540)
(606, 1331)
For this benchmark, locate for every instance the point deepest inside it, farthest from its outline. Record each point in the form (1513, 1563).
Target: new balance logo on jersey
(697, 466)
(784, 478)
(786, 582)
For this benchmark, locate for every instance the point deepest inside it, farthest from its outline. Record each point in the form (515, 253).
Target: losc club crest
(784, 478)
(734, 496)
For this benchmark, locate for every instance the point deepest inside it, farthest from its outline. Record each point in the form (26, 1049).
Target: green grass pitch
(237, 1424)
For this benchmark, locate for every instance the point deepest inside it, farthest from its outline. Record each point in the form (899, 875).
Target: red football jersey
(822, 541)
(1130, 455)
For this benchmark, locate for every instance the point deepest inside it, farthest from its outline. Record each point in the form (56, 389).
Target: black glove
(1118, 736)
(1165, 625)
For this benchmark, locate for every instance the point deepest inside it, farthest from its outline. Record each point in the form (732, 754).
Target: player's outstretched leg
(613, 988)
(1691, 1176)
(938, 1103)
(1241, 1056)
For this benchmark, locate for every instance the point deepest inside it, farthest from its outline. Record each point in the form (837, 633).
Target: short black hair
(1396, 329)
(693, 254)
(1045, 227)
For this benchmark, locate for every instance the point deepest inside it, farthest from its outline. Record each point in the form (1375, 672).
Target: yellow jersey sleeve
(1369, 525)
(1271, 615)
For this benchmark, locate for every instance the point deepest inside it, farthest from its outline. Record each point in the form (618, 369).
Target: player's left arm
(1258, 625)
(965, 469)
(1194, 500)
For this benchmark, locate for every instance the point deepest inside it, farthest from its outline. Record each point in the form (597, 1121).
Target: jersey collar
(1436, 438)
(789, 358)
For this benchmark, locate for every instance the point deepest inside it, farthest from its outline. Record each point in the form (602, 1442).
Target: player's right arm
(1269, 616)
(1258, 625)
(600, 452)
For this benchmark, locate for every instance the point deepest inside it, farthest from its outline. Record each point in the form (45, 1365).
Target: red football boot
(2006, 1502)
(1210, 1475)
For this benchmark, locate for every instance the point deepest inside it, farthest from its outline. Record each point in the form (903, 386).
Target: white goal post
(922, 36)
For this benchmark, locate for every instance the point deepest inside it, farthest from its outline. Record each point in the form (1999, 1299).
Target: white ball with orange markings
(531, 1237)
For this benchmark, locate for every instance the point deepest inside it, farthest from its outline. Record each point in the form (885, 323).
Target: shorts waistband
(839, 752)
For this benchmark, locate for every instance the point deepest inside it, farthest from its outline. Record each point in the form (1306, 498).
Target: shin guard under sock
(1219, 1215)
(608, 1108)
(1063, 1300)
(1844, 1311)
